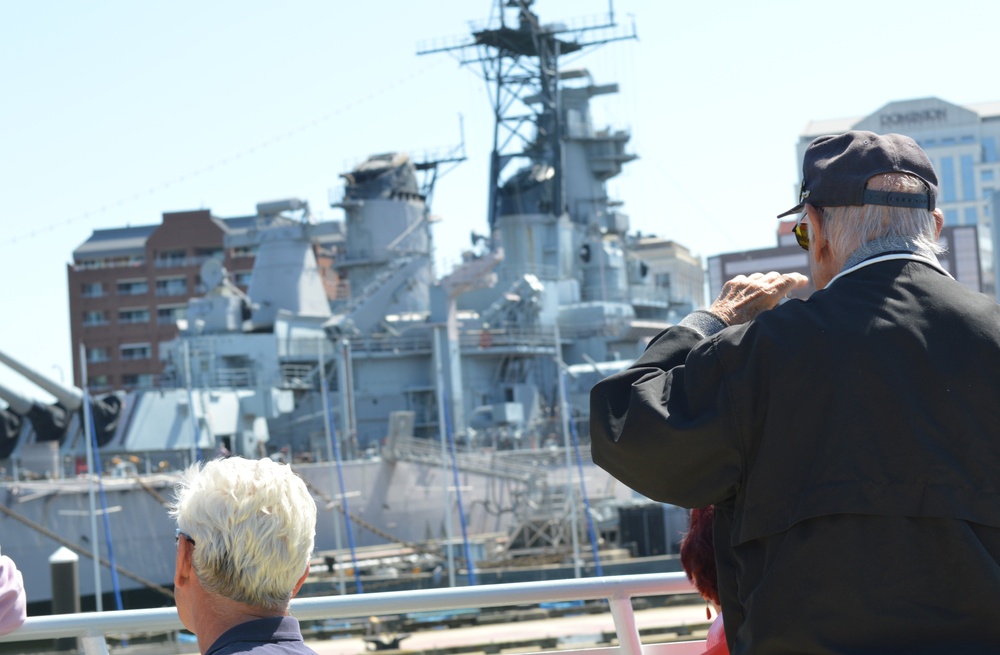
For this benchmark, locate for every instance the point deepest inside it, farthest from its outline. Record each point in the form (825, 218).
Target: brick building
(129, 286)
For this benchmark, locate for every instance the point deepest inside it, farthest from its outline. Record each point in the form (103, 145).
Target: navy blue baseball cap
(836, 169)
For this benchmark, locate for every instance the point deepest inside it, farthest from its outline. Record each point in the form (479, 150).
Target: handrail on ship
(92, 627)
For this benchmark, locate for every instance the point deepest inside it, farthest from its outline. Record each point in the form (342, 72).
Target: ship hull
(401, 503)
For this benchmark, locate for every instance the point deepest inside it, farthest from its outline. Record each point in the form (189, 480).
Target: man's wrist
(704, 322)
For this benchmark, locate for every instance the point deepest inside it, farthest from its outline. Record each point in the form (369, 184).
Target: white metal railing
(91, 627)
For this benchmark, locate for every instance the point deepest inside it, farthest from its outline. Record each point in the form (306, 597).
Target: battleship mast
(521, 64)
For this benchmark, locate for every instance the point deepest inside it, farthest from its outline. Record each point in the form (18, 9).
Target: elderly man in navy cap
(848, 441)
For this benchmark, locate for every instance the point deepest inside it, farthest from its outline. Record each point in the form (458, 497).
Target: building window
(207, 253)
(245, 251)
(109, 262)
(132, 287)
(948, 191)
(171, 258)
(170, 315)
(989, 149)
(968, 178)
(92, 290)
(971, 216)
(137, 380)
(951, 217)
(242, 278)
(93, 318)
(133, 351)
(97, 355)
(986, 175)
(171, 286)
(129, 316)
(98, 381)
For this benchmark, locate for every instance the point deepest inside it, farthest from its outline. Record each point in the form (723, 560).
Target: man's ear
(184, 566)
(298, 585)
(938, 223)
(819, 244)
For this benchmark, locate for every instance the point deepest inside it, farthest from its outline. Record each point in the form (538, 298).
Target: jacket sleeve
(664, 426)
(12, 600)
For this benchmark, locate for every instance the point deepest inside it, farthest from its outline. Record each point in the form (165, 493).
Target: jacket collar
(888, 249)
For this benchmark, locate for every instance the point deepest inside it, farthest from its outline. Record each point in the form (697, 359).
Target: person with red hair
(698, 560)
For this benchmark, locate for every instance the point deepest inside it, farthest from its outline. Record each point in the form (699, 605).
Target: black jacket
(851, 444)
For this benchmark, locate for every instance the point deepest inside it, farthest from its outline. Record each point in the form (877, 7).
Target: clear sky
(112, 112)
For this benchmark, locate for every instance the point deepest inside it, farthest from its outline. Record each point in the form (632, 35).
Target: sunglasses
(801, 232)
(178, 534)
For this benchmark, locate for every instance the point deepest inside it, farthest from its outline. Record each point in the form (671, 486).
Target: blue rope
(340, 480)
(458, 496)
(89, 417)
(583, 484)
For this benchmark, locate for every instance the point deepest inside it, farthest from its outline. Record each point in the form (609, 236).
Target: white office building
(963, 143)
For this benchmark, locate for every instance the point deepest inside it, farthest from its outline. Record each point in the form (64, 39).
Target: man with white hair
(245, 532)
(848, 442)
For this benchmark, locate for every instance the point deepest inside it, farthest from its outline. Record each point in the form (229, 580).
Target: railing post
(94, 645)
(63, 566)
(628, 634)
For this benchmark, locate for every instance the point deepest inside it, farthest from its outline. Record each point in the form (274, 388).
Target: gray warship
(424, 411)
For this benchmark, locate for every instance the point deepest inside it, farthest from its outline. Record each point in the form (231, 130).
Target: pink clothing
(12, 601)
(715, 643)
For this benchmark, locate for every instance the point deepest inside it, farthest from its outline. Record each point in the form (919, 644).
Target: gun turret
(10, 429)
(51, 421)
(69, 397)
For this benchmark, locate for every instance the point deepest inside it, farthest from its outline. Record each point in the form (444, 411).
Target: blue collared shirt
(279, 635)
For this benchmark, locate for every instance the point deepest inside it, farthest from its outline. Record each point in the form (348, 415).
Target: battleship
(425, 412)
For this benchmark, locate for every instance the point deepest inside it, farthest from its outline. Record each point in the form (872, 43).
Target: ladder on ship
(543, 522)
(424, 451)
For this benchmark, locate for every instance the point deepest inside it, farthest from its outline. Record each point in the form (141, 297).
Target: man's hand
(743, 298)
